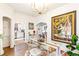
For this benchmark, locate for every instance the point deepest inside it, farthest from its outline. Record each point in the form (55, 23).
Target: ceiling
(27, 7)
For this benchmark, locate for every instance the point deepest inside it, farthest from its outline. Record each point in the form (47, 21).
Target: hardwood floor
(8, 51)
(19, 49)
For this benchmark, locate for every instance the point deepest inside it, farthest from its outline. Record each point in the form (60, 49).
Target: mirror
(42, 31)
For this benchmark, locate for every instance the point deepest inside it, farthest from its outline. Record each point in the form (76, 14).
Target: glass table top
(36, 48)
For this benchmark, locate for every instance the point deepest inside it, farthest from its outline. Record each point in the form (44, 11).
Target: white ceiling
(27, 7)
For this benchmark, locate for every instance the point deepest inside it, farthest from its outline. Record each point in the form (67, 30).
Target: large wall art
(63, 27)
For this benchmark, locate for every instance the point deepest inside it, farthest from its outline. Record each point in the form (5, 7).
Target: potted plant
(70, 47)
(74, 39)
(70, 53)
(77, 45)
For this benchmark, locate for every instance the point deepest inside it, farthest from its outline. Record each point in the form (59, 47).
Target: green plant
(77, 47)
(74, 39)
(68, 46)
(72, 54)
(71, 46)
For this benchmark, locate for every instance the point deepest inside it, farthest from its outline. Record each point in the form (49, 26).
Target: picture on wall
(31, 26)
(63, 26)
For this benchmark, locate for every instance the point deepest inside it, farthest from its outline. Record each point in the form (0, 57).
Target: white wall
(8, 12)
(61, 10)
(23, 19)
(16, 17)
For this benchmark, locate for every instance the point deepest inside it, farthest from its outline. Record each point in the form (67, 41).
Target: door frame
(10, 26)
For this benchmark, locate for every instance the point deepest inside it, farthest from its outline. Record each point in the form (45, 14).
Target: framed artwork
(31, 26)
(63, 27)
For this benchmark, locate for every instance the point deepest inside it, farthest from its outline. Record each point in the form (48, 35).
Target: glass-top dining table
(36, 48)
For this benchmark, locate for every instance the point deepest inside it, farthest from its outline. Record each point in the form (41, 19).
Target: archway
(6, 31)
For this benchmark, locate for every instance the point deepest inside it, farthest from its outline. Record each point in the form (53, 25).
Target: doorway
(6, 31)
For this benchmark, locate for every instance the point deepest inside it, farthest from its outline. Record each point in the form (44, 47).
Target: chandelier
(39, 7)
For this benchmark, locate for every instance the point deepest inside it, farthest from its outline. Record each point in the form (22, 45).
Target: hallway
(18, 50)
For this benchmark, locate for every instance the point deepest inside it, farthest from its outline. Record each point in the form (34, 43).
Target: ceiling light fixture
(39, 7)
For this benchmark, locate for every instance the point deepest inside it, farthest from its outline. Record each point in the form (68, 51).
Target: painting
(63, 27)
(31, 26)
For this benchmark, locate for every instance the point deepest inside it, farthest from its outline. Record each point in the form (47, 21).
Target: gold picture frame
(63, 27)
